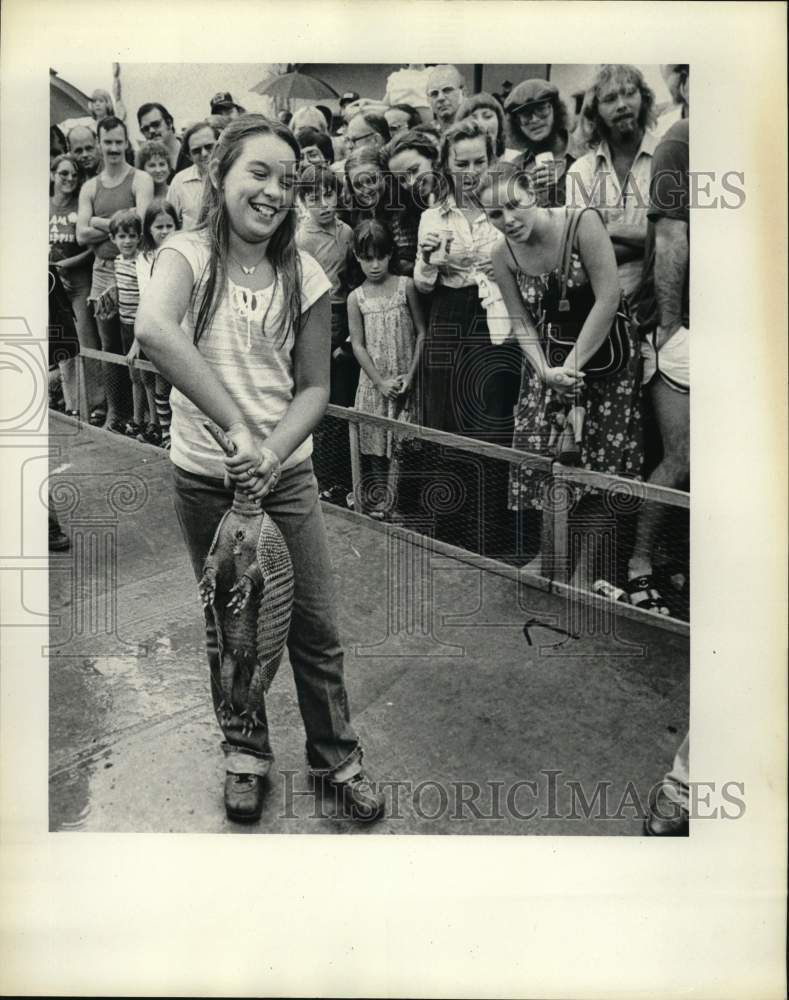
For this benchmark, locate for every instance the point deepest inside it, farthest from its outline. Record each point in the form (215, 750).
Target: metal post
(356, 465)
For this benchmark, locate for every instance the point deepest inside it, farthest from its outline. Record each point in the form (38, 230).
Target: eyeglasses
(358, 139)
(197, 150)
(66, 175)
(539, 110)
(151, 126)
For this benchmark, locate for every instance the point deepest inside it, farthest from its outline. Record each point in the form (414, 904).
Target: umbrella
(65, 100)
(295, 85)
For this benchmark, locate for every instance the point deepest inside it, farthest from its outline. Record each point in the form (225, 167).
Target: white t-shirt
(250, 361)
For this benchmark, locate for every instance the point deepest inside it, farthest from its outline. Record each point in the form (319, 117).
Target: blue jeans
(316, 655)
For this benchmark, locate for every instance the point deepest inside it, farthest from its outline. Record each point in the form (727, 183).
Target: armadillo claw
(240, 599)
(251, 722)
(207, 590)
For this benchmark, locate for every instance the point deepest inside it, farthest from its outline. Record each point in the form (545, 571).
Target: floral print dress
(612, 436)
(389, 337)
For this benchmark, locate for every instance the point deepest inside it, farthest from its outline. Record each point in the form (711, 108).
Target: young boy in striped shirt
(126, 234)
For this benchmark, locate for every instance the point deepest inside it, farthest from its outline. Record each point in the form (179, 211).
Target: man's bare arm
(671, 267)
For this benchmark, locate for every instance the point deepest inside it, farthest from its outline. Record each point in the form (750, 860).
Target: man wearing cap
(445, 91)
(618, 112)
(537, 118)
(224, 105)
(349, 97)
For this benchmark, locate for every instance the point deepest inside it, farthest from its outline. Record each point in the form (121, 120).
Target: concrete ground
(475, 730)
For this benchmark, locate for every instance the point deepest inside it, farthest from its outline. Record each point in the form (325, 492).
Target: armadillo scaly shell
(247, 584)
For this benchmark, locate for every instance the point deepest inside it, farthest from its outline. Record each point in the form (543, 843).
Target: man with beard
(445, 91)
(537, 121)
(618, 113)
(83, 145)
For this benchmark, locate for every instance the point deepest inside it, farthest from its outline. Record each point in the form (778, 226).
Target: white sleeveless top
(252, 363)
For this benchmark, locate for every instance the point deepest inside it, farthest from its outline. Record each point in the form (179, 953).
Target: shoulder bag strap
(572, 218)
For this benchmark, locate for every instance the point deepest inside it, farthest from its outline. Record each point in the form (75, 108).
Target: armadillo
(247, 584)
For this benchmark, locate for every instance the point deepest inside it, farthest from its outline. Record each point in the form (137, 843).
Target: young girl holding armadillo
(255, 363)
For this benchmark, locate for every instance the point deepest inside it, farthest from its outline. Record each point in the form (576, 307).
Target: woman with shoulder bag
(556, 270)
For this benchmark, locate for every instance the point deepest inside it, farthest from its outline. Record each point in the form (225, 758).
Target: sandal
(97, 417)
(131, 429)
(644, 594)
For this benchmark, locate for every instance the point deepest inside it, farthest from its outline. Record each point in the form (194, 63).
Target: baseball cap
(223, 100)
(348, 98)
(530, 92)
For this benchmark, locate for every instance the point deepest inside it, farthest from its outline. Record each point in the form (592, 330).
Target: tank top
(108, 201)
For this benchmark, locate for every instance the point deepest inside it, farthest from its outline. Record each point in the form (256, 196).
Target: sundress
(612, 435)
(389, 338)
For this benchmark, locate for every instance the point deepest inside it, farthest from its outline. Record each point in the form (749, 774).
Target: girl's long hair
(213, 219)
(156, 207)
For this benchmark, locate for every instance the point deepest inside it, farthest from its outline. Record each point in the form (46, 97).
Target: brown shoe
(666, 818)
(244, 797)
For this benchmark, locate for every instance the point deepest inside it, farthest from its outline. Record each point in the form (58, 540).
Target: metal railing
(622, 494)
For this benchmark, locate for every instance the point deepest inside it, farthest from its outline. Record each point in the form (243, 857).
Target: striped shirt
(250, 360)
(128, 289)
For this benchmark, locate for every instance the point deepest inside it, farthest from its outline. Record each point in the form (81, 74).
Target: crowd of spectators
(444, 220)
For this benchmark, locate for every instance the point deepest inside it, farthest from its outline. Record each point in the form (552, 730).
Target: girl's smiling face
(161, 227)
(159, 169)
(367, 184)
(258, 189)
(511, 208)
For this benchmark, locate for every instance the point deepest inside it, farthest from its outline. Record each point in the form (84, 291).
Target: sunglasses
(151, 126)
(540, 110)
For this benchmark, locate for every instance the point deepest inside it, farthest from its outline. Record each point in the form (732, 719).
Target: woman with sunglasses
(537, 120)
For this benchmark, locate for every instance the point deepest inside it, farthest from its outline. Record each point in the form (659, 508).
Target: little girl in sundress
(387, 329)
